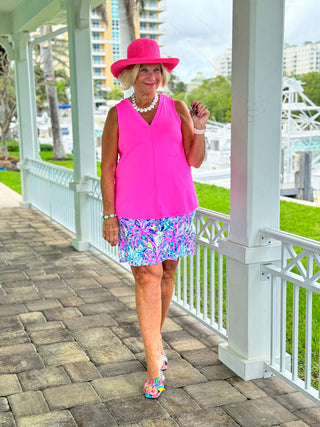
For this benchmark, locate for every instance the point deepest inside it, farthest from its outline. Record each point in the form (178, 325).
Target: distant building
(301, 59)
(151, 19)
(296, 60)
(196, 82)
(222, 65)
(109, 44)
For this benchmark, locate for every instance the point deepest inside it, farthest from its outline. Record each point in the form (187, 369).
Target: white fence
(50, 193)
(201, 279)
(295, 306)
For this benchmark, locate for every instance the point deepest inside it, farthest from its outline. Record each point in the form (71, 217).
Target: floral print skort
(151, 241)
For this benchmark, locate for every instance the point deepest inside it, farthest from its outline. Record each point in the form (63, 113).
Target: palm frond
(102, 12)
(141, 4)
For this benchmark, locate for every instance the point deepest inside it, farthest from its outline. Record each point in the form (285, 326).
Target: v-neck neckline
(155, 116)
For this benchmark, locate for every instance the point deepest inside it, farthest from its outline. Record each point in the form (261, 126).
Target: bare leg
(148, 302)
(167, 287)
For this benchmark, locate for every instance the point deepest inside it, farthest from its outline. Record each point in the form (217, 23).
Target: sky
(198, 31)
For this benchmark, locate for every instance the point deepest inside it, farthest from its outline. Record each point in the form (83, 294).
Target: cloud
(198, 31)
(302, 21)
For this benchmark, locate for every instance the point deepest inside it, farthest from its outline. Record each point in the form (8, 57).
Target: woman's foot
(154, 365)
(164, 365)
(153, 388)
(160, 346)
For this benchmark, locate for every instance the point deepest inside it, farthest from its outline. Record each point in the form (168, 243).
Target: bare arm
(108, 173)
(194, 144)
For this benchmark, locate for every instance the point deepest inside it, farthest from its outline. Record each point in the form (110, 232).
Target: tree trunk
(7, 101)
(4, 125)
(4, 147)
(129, 6)
(51, 90)
(7, 116)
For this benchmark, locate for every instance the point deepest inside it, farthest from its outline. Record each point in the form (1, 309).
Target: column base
(244, 368)
(79, 245)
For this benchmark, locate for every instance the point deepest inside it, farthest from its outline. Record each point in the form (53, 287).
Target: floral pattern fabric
(151, 241)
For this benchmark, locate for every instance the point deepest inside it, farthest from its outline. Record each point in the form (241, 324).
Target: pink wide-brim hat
(143, 51)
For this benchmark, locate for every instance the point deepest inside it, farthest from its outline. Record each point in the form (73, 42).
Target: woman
(149, 143)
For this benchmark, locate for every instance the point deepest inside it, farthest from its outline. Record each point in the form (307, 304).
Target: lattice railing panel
(295, 307)
(56, 174)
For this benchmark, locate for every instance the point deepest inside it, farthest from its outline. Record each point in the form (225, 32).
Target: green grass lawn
(47, 157)
(11, 179)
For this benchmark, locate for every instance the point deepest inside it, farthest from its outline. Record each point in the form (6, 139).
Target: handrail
(293, 239)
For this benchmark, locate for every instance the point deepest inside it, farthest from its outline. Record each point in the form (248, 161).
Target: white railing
(201, 278)
(49, 191)
(295, 305)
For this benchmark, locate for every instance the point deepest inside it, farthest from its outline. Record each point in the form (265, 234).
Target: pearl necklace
(144, 110)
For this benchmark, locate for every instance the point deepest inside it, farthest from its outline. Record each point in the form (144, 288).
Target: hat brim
(118, 66)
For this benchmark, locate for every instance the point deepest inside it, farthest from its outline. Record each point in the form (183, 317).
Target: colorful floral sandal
(164, 366)
(153, 388)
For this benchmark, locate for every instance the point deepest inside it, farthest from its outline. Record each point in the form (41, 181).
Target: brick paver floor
(71, 352)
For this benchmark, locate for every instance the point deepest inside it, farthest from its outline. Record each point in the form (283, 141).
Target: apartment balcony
(147, 32)
(98, 64)
(161, 7)
(99, 28)
(98, 52)
(99, 76)
(98, 40)
(153, 20)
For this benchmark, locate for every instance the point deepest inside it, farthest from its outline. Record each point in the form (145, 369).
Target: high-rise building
(151, 19)
(222, 65)
(301, 59)
(296, 60)
(99, 52)
(109, 43)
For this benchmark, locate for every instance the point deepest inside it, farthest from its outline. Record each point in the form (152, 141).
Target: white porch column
(26, 109)
(255, 180)
(84, 155)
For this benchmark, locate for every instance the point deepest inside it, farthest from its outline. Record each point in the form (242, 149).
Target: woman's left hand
(199, 115)
(110, 231)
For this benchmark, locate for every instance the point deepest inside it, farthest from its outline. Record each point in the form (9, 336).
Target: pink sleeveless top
(153, 178)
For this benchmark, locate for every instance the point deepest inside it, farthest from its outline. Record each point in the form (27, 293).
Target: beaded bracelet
(199, 131)
(109, 216)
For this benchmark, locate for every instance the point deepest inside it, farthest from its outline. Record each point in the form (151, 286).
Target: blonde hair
(129, 75)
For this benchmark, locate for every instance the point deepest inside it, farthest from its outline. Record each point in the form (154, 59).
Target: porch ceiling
(27, 15)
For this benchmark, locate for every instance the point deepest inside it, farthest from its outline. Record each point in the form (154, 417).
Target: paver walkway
(71, 352)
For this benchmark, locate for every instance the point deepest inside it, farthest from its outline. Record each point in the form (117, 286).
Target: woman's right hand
(110, 230)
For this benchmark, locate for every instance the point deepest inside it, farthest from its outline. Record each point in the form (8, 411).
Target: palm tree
(7, 100)
(48, 68)
(51, 90)
(129, 6)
